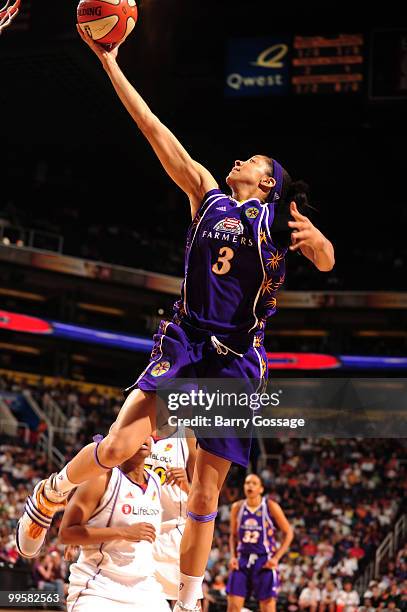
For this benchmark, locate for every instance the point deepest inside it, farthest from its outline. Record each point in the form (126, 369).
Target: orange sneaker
(37, 518)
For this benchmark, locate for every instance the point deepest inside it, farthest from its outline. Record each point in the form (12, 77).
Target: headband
(275, 193)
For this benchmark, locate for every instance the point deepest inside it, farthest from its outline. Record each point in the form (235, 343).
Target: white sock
(190, 589)
(62, 482)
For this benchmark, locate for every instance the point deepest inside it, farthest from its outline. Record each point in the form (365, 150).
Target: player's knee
(114, 449)
(268, 606)
(233, 606)
(203, 501)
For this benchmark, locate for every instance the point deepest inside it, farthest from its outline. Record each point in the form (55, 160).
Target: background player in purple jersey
(254, 554)
(235, 263)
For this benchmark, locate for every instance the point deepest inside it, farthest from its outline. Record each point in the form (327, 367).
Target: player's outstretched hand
(103, 53)
(234, 563)
(139, 531)
(176, 476)
(304, 234)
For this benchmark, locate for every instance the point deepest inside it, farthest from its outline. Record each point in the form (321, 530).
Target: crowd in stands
(342, 496)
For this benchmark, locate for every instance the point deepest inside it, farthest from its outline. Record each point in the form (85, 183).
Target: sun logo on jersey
(257, 341)
(160, 368)
(263, 367)
(267, 286)
(167, 448)
(272, 303)
(154, 495)
(263, 237)
(252, 212)
(275, 260)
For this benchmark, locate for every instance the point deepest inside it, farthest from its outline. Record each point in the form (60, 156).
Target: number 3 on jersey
(223, 266)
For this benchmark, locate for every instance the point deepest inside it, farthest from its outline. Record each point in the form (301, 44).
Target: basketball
(107, 22)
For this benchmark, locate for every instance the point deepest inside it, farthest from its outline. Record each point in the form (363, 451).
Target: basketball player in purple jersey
(233, 269)
(254, 562)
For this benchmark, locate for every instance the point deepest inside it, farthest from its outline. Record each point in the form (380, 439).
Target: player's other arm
(311, 241)
(233, 563)
(281, 521)
(188, 174)
(74, 531)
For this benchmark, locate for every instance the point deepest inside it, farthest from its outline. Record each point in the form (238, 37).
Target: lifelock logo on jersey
(161, 458)
(139, 511)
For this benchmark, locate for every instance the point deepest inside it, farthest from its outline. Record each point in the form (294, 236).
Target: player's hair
(292, 191)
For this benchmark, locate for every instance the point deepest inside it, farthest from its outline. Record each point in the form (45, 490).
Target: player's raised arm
(188, 174)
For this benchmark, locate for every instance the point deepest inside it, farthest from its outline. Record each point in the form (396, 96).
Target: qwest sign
(257, 67)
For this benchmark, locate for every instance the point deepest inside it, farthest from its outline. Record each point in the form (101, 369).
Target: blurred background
(92, 235)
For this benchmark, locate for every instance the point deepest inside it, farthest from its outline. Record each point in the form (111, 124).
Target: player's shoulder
(271, 503)
(237, 505)
(214, 196)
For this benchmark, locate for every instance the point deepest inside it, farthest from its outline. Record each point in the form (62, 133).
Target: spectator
(310, 597)
(348, 598)
(329, 596)
(367, 606)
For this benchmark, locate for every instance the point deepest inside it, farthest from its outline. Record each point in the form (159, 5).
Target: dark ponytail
(298, 192)
(292, 191)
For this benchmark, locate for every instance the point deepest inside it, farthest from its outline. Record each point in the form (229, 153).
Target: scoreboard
(328, 64)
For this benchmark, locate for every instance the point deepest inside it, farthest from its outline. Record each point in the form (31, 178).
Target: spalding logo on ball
(108, 22)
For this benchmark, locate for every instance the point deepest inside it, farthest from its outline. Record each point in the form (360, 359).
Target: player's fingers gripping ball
(107, 22)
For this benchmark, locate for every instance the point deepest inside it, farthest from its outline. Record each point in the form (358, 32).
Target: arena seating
(342, 497)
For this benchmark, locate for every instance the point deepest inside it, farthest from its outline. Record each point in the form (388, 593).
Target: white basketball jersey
(124, 503)
(170, 452)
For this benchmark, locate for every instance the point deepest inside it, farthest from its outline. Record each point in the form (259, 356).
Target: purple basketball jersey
(255, 531)
(233, 268)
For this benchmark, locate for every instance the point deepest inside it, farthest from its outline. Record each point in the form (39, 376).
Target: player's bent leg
(235, 603)
(133, 425)
(268, 605)
(209, 475)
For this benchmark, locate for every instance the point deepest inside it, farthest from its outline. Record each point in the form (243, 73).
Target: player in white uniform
(173, 459)
(114, 519)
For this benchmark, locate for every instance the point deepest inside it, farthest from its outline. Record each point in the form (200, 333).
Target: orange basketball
(107, 21)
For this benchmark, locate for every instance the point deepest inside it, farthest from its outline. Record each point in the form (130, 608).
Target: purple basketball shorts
(252, 579)
(183, 351)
